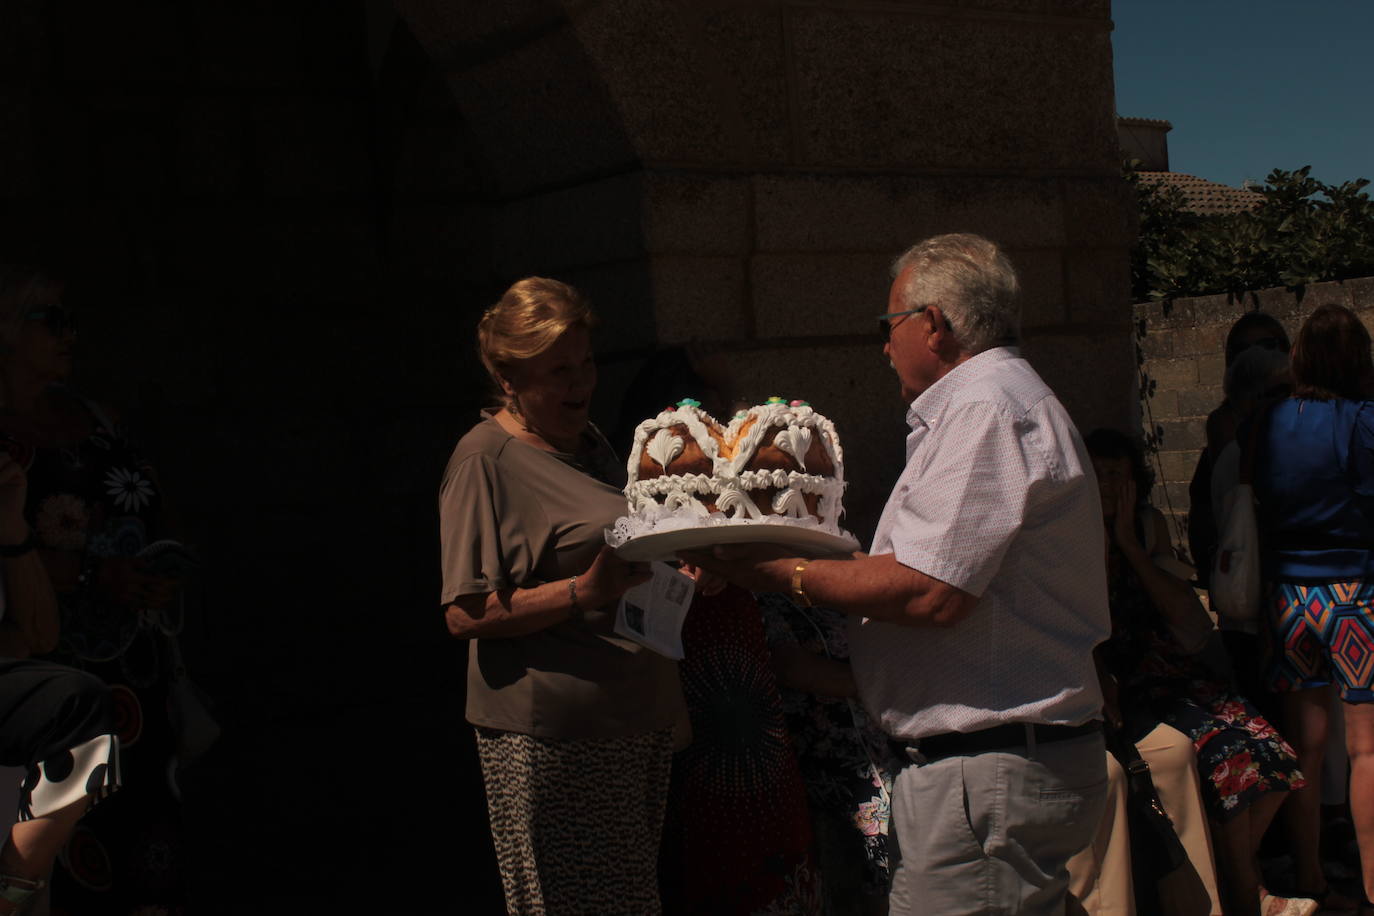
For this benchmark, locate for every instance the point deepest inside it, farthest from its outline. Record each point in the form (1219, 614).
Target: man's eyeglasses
(885, 328)
(57, 318)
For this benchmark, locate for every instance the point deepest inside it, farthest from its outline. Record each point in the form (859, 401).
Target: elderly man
(976, 612)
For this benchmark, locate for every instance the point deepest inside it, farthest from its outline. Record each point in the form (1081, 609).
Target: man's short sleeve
(960, 512)
(470, 531)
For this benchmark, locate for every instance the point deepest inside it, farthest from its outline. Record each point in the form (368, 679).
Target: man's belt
(1000, 737)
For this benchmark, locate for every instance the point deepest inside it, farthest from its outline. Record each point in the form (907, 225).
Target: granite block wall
(749, 170)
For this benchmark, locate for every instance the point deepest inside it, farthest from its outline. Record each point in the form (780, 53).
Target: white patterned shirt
(999, 499)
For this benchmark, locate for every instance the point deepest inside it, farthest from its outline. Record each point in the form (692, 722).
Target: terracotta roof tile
(1205, 197)
(1144, 122)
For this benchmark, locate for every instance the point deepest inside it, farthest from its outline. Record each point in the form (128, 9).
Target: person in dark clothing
(1253, 329)
(55, 722)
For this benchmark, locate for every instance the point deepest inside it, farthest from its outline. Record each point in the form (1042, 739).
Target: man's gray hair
(971, 281)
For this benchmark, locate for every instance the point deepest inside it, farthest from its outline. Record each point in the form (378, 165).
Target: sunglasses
(885, 328)
(57, 318)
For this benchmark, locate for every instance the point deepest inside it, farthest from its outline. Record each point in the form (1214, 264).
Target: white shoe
(1286, 906)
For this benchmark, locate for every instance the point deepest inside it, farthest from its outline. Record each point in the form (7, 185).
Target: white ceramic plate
(808, 542)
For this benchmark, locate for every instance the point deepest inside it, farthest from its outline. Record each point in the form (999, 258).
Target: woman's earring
(512, 400)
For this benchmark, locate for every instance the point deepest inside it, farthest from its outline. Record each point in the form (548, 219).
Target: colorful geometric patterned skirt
(1324, 634)
(577, 823)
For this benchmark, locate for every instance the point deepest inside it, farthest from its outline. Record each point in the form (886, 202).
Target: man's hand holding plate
(757, 567)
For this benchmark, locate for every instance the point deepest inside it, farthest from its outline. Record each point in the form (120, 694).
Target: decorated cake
(778, 463)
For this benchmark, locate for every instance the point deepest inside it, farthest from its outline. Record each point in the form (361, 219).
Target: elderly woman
(1314, 479)
(574, 724)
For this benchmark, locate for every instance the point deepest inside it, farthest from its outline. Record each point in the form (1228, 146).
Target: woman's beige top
(515, 516)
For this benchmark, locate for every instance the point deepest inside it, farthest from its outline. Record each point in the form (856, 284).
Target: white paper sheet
(652, 613)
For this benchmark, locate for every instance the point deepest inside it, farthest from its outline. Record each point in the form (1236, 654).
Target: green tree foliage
(1304, 231)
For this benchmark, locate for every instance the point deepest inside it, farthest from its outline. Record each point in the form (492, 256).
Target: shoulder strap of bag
(1152, 820)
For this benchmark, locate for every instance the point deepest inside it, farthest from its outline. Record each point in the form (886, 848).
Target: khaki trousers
(991, 833)
(1100, 875)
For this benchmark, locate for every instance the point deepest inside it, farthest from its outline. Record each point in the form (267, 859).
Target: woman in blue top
(1314, 479)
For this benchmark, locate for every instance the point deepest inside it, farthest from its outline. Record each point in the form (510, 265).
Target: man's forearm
(883, 589)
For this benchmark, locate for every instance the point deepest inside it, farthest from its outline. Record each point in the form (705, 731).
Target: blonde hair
(526, 321)
(22, 287)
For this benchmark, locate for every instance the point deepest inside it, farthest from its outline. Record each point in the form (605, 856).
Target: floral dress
(1239, 754)
(97, 500)
(845, 759)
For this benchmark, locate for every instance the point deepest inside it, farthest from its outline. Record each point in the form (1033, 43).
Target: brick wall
(1180, 348)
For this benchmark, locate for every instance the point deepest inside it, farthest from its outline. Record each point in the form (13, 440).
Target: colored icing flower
(777, 400)
(799, 404)
(62, 521)
(689, 402)
(131, 491)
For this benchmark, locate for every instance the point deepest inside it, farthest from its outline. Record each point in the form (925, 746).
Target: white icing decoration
(693, 418)
(664, 447)
(675, 501)
(789, 502)
(657, 520)
(794, 440)
(740, 502)
(685, 501)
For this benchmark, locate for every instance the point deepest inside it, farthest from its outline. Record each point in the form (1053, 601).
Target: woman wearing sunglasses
(92, 505)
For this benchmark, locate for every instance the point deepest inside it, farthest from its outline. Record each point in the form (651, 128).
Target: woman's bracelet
(576, 610)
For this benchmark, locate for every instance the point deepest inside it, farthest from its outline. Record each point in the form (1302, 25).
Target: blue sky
(1252, 86)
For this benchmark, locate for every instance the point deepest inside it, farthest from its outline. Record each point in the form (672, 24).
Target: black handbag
(1156, 850)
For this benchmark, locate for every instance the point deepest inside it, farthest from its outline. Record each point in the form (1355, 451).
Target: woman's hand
(124, 581)
(708, 583)
(608, 578)
(14, 491)
(1123, 524)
